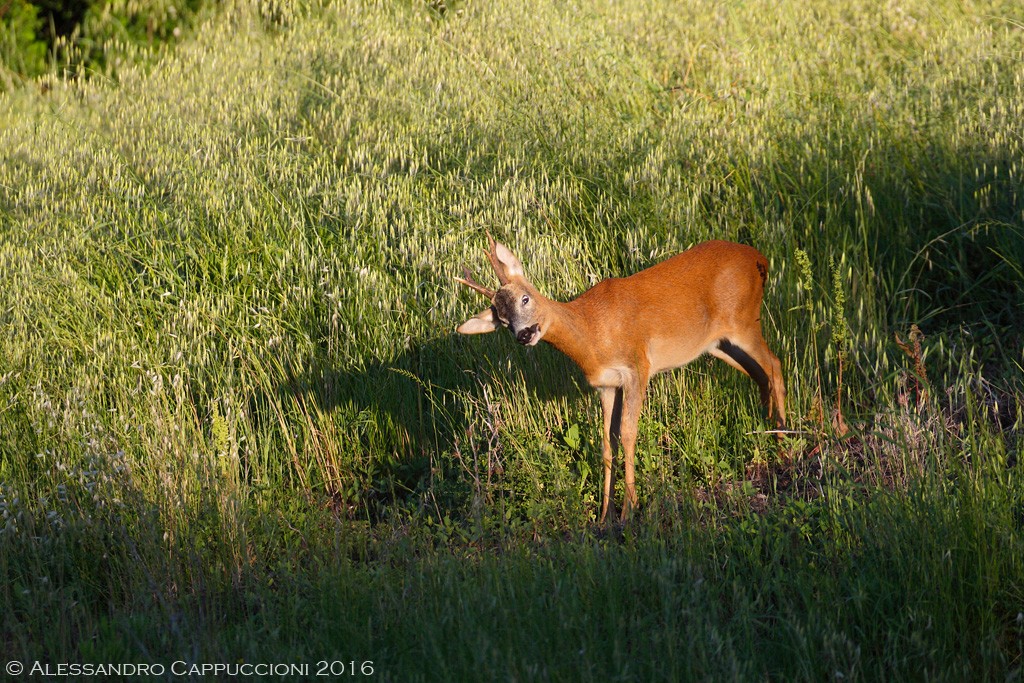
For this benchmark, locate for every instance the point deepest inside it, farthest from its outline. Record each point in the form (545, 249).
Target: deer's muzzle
(526, 335)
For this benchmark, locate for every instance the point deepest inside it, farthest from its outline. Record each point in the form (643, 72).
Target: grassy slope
(227, 309)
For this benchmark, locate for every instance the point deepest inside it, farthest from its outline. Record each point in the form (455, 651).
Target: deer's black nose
(525, 335)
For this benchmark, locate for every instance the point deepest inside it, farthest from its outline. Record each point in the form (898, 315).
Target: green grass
(236, 423)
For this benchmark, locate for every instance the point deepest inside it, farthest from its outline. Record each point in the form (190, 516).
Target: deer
(622, 331)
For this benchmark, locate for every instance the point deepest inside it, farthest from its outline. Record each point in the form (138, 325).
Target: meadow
(236, 424)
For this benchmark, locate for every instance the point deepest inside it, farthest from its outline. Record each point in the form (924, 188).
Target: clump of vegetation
(21, 49)
(237, 424)
(38, 37)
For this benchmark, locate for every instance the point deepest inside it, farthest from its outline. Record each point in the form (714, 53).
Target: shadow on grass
(377, 428)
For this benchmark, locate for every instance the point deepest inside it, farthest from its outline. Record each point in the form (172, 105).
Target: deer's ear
(509, 263)
(505, 264)
(481, 323)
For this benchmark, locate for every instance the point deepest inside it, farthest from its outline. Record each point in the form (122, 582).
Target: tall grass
(236, 422)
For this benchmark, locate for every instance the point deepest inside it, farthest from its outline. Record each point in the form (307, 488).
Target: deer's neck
(569, 331)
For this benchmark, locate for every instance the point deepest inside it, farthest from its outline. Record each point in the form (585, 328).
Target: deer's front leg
(611, 409)
(633, 394)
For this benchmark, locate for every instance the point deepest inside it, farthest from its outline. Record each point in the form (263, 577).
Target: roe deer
(622, 331)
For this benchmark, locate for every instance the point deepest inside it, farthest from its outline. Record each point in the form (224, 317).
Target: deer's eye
(526, 299)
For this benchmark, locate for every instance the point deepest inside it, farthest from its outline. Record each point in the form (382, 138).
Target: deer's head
(515, 305)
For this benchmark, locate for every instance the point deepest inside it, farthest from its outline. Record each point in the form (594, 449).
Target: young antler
(474, 285)
(499, 256)
(492, 256)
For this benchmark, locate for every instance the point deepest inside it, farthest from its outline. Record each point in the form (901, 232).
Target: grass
(236, 424)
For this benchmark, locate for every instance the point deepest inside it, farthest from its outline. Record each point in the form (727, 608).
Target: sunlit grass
(230, 386)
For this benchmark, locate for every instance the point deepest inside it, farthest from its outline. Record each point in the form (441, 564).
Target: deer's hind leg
(750, 355)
